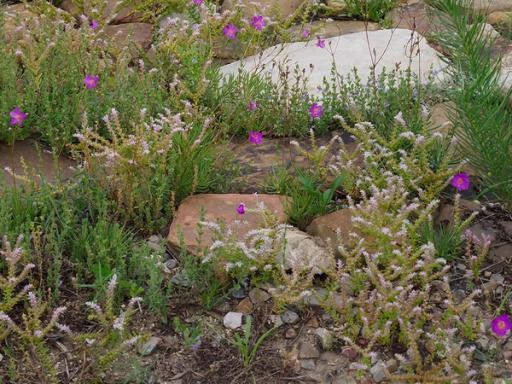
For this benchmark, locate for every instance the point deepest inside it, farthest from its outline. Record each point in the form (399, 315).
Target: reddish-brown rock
(140, 33)
(219, 207)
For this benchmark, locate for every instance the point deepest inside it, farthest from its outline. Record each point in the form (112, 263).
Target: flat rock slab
(35, 158)
(392, 48)
(331, 28)
(257, 162)
(219, 207)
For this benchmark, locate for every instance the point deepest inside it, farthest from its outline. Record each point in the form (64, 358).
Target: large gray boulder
(389, 48)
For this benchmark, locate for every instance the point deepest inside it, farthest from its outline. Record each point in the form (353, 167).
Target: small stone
(170, 264)
(308, 364)
(312, 323)
(149, 346)
(350, 353)
(343, 379)
(378, 372)
(483, 342)
(459, 295)
(290, 333)
(308, 350)
(290, 317)
(155, 242)
(326, 339)
(498, 278)
(507, 227)
(258, 296)
(487, 274)
(392, 365)
(276, 320)
(245, 306)
(233, 320)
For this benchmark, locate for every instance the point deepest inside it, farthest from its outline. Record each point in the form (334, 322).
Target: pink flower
(241, 209)
(316, 111)
(252, 105)
(17, 117)
(256, 137)
(230, 31)
(305, 33)
(93, 24)
(91, 81)
(320, 43)
(501, 325)
(258, 23)
(460, 181)
(198, 2)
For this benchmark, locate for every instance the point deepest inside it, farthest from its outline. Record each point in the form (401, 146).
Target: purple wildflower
(501, 325)
(252, 105)
(230, 31)
(241, 209)
(17, 117)
(305, 33)
(320, 43)
(198, 2)
(91, 81)
(258, 23)
(256, 137)
(93, 24)
(316, 111)
(460, 181)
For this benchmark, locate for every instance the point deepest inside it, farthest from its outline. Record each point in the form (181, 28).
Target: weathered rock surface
(112, 13)
(303, 253)
(285, 8)
(349, 52)
(489, 6)
(330, 28)
(20, 18)
(138, 33)
(35, 158)
(325, 227)
(219, 207)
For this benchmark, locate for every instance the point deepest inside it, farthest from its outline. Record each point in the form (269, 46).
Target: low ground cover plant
(146, 131)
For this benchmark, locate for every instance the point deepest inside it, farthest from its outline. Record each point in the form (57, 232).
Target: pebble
(308, 350)
(245, 306)
(290, 333)
(326, 339)
(378, 371)
(290, 317)
(308, 364)
(459, 295)
(258, 296)
(149, 346)
(276, 320)
(233, 320)
(349, 352)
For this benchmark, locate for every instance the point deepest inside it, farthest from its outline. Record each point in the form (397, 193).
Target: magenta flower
(320, 43)
(316, 111)
(241, 209)
(460, 181)
(230, 31)
(253, 105)
(258, 23)
(198, 2)
(501, 325)
(91, 81)
(93, 24)
(256, 137)
(305, 33)
(17, 117)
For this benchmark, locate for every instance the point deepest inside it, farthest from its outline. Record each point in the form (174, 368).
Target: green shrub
(373, 10)
(483, 138)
